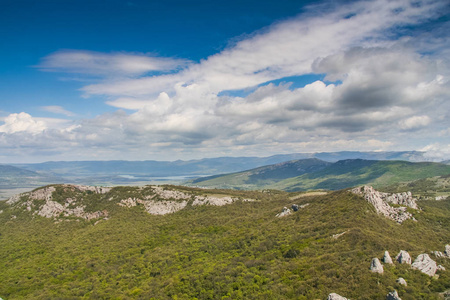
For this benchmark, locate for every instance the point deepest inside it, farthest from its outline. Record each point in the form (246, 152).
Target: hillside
(339, 175)
(264, 176)
(74, 242)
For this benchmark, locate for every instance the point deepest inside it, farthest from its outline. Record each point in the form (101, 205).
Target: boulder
(334, 296)
(425, 264)
(286, 211)
(441, 268)
(376, 266)
(403, 257)
(447, 250)
(393, 296)
(294, 207)
(387, 258)
(401, 281)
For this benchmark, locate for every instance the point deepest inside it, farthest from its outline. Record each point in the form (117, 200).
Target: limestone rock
(286, 211)
(376, 266)
(211, 200)
(393, 296)
(380, 202)
(170, 194)
(425, 264)
(403, 257)
(401, 281)
(440, 268)
(447, 250)
(163, 207)
(387, 258)
(334, 296)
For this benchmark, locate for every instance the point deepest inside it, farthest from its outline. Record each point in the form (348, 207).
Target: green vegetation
(340, 175)
(236, 251)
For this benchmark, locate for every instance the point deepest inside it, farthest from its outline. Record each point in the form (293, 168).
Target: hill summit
(167, 242)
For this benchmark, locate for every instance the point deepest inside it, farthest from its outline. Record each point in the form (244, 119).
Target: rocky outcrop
(445, 254)
(380, 202)
(387, 258)
(405, 199)
(403, 257)
(338, 235)
(163, 207)
(376, 266)
(52, 209)
(334, 296)
(401, 281)
(440, 268)
(439, 198)
(170, 194)
(425, 264)
(211, 200)
(286, 212)
(393, 296)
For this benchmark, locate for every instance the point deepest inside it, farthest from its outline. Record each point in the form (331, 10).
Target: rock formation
(393, 296)
(403, 257)
(334, 296)
(380, 202)
(376, 266)
(387, 258)
(286, 211)
(401, 281)
(163, 207)
(211, 200)
(425, 264)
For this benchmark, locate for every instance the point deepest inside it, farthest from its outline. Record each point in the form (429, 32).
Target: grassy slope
(263, 176)
(239, 251)
(344, 174)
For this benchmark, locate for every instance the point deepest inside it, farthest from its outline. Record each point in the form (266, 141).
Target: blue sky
(167, 80)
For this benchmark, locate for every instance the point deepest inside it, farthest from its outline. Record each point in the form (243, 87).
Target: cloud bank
(382, 90)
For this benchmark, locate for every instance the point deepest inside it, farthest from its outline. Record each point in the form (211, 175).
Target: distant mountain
(11, 177)
(206, 166)
(333, 176)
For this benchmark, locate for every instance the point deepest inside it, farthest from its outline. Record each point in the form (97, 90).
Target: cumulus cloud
(107, 64)
(22, 122)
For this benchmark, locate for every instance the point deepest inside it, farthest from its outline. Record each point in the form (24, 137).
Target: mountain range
(310, 174)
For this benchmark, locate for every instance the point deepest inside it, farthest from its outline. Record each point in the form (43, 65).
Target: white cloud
(285, 49)
(384, 84)
(57, 110)
(415, 122)
(107, 64)
(22, 122)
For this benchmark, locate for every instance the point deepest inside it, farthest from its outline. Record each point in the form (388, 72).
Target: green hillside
(235, 251)
(339, 175)
(262, 176)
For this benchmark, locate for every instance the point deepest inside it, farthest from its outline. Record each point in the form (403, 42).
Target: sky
(173, 79)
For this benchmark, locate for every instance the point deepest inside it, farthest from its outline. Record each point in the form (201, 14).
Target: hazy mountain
(11, 177)
(206, 166)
